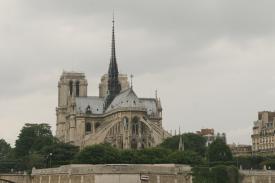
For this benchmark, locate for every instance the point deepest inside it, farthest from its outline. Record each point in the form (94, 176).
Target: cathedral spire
(113, 64)
(114, 86)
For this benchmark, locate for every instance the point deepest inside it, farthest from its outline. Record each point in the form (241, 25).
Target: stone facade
(263, 137)
(241, 149)
(117, 116)
(103, 85)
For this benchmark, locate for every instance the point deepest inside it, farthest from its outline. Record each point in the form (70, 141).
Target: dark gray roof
(96, 104)
(126, 98)
(150, 104)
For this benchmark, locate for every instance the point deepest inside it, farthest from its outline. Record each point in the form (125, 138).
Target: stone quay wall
(258, 176)
(122, 173)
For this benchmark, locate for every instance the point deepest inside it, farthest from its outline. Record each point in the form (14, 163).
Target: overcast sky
(212, 61)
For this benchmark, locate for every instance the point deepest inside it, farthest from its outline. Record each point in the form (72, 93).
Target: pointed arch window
(71, 87)
(77, 88)
(88, 128)
(125, 123)
(135, 126)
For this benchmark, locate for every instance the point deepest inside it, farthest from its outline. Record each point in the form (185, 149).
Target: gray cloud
(212, 61)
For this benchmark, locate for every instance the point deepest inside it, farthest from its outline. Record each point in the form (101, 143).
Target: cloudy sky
(212, 61)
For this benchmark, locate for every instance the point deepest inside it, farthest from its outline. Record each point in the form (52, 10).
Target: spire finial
(113, 17)
(131, 80)
(156, 93)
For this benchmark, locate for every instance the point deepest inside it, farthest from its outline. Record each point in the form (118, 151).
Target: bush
(270, 164)
(61, 154)
(185, 157)
(153, 155)
(216, 174)
(219, 151)
(129, 157)
(98, 154)
(250, 162)
(192, 142)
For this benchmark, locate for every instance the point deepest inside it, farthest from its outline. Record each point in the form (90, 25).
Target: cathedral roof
(150, 104)
(126, 98)
(95, 103)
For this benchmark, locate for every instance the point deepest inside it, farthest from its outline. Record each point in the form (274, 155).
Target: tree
(153, 155)
(5, 149)
(32, 138)
(192, 142)
(216, 174)
(129, 156)
(219, 151)
(225, 174)
(251, 162)
(59, 153)
(185, 157)
(98, 154)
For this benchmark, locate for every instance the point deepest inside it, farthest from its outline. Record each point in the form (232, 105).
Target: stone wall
(258, 176)
(169, 173)
(15, 178)
(124, 173)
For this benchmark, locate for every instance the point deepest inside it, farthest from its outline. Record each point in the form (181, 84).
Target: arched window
(77, 88)
(135, 125)
(125, 123)
(88, 127)
(71, 87)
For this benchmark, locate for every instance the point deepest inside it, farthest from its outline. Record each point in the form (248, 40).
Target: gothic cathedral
(117, 116)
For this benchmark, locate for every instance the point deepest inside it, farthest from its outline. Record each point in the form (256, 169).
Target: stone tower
(70, 85)
(103, 85)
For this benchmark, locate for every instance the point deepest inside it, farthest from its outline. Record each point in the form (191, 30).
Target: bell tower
(70, 85)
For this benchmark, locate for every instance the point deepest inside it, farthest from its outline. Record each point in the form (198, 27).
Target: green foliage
(185, 157)
(202, 175)
(225, 174)
(251, 162)
(32, 138)
(5, 149)
(98, 154)
(104, 153)
(153, 155)
(36, 160)
(219, 151)
(270, 164)
(59, 154)
(216, 174)
(33, 147)
(129, 157)
(192, 142)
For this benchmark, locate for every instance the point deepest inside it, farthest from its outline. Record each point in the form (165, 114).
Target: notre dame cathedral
(117, 116)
